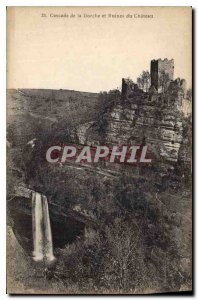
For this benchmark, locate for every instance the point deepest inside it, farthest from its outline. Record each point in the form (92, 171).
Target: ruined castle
(154, 116)
(164, 90)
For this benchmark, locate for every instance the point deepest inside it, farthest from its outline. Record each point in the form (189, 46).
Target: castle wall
(154, 73)
(159, 66)
(167, 66)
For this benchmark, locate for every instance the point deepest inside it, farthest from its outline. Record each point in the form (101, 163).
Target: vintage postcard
(99, 150)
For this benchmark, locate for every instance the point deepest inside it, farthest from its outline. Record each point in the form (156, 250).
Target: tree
(143, 81)
(189, 94)
(124, 263)
(164, 79)
(140, 83)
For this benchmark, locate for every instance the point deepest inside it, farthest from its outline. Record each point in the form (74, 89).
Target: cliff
(137, 117)
(141, 121)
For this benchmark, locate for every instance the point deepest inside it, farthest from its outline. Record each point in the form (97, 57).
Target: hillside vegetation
(143, 240)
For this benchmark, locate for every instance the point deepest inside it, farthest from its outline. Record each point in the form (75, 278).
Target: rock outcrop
(139, 117)
(141, 120)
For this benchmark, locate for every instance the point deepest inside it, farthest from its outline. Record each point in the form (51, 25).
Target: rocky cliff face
(138, 122)
(142, 118)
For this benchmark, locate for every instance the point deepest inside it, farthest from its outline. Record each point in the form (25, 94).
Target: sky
(93, 54)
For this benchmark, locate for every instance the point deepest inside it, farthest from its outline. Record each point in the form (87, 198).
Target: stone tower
(158, 67)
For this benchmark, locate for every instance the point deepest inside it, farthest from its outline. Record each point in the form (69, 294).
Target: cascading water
(47, 232)
(37, 226)
(42, 234)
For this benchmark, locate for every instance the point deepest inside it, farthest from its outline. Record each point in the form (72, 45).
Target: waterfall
(48, 233)
(37, 225)
(41, 229)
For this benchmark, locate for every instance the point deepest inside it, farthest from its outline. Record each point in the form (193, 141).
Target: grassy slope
(52, 104)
